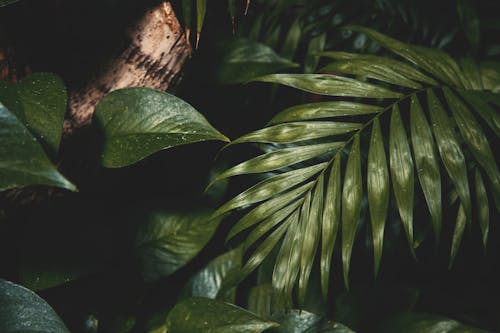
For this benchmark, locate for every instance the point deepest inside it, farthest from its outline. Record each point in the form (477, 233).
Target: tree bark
(157, 52)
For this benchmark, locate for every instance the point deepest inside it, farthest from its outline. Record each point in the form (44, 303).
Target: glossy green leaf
(292, 39)
(311, 238)
(22, 159)
(433, 61)
(138, 122)
(39, 101)
(4, 3)
(479, 101)
(373, 70)
(401, 166)
(378, 190)
(279, 159)
(331, 85)
(245, 60)
(168, 240)
(300, 321)
(483, 209)
(270, 187)
(378, 63)
(298, 131)
(316, 45)
(475, 138)
(324, 110)
(352, 195)
(264, 301)
(458, 233)
(202, 315)
(450, 151)
(427, 164)
(21, 310)
(210, 280)
(412, 322)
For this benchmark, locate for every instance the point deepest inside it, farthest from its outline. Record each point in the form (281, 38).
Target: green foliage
(21, 310)
(7, 2)
(138, 122)
(429, 116)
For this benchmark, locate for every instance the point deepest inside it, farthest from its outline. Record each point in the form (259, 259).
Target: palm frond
(416, 123)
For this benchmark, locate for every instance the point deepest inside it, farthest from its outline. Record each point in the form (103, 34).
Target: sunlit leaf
(138, 122)
(203, 315)
(378, 190)
(22, 159)
(21, 310)
(401, 165)
(351, 204)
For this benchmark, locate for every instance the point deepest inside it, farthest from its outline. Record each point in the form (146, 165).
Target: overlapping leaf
(421, 121)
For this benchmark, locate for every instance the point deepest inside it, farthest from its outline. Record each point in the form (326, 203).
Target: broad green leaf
(352, 194)
(412, 322)
(210, 280)
(4, 3)
(450, 151)
(316, 45)
(22, 159)
(378, 190)
(373, 70)
(21, 310)
(264, 301)
(245, 60)
(311, 238)
(203, 315)
(401, 166)
(324, 110)
(331, 223)
(300, 321)
(479, 101)
(433, 61)
(39, 101)
(483, 209)
(331, 85)
(138, 122)
(267, 208)
(458, 233)
(168, 240)
(279, 159)
(292, 39)
(426, 162)
(270, 187)
(401, 68)
(201, 10)
(475, 138)
(298, 131)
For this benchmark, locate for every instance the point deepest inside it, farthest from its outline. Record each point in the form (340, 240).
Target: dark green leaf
(316, 45)
(298, 131)
(483, 209)
(401, 165)
(187, 13)
(23, 161)
(168, 240)
(210, 280)
(202, 315)
(7, 2)
(201, 9)
(351, 204)
(311, 237)
(39, 101)
(426, 162)
(472, 73)
(479, 101)
(292, 40)
(331, 223)
(264, 301)
(21, 310)
(420, 322)
(490, 75)
(378, 190)
(450, 151)
(324, 110)
(458, 233)
(331, 85)
(300, 321)
(475, 138)
(245, 60)
(138, 122)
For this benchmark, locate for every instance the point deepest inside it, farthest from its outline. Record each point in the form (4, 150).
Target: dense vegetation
(324, 166)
